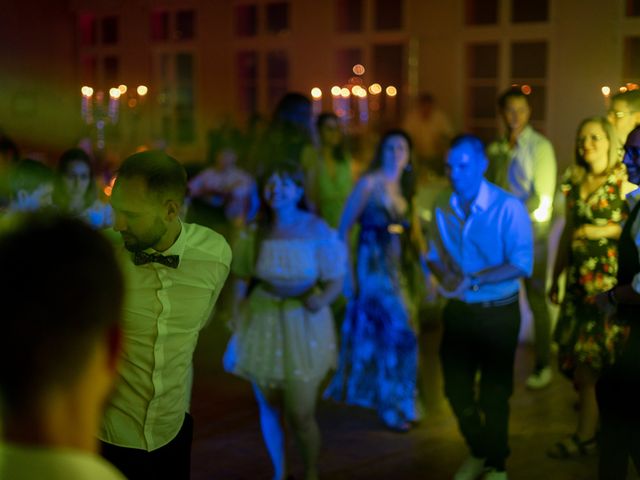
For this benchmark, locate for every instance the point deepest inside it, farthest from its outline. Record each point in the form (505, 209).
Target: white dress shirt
(165, 310)
(18, 462)
(531, 168)
(497, 232)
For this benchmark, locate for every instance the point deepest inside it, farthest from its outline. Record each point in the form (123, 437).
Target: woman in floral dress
(595, 189)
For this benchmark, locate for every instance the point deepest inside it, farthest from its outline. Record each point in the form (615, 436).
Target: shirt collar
(178, 246)
(633, 198)
(479, 204)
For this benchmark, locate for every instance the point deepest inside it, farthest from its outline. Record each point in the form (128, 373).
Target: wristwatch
(474, 283)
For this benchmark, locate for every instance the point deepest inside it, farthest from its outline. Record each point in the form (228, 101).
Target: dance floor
(228, 445)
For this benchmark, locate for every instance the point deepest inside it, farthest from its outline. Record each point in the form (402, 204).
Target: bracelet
(611, 296)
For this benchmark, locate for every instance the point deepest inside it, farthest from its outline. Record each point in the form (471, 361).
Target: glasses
(618, 114)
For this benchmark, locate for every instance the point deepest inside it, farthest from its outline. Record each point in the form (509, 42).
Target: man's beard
(148, 240)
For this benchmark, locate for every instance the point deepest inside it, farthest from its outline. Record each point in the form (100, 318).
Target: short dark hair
(474, 142)
(513, 92)
(29, 175)
(57, 302)
(163, 174)
(631, 97)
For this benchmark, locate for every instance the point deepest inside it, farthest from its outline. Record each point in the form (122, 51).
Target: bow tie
(142, 258)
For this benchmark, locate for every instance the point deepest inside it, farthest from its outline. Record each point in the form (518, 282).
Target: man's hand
(453, 286)
(554, 295)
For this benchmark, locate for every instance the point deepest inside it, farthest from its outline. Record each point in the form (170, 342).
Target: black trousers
(172, 461)
(481, 339)
(618, 395)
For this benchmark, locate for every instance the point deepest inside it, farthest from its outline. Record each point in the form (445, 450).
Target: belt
(500, 302)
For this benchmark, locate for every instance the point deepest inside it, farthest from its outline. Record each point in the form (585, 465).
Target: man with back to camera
(61, 292)
(175, 272)
(618, 388)
(483, 245)
(523, 163)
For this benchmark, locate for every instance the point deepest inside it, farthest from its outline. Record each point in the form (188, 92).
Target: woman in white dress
(289, 269)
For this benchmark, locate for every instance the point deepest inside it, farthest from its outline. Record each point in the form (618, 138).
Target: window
(482, 89)
(389, 70)
(166, 25)
(529, 11)
(529, 70)
(246, 20)
(631, 65)
(88, 70)
(633, 8)
(348, 15)
(110, 71)
(388, 14)
(159, 26)
(277, 17)
(110, 30)
(87, 26)
(185, 103)
(481, 12)
(247, 81)
(185, 25)
(277, 76)
(345, 60)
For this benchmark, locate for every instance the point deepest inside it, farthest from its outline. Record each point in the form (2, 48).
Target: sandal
(573, 447)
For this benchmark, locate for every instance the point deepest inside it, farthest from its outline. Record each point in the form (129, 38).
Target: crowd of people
(98, 349)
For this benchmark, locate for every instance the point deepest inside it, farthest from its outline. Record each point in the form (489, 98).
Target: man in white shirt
(624, 115)
(618, 388)
(523, 163)
(174, 274)
(61, 293)
(482, 247)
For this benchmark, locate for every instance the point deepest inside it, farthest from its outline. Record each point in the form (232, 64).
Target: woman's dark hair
(339, 151)
(61, 196)
(408, 179)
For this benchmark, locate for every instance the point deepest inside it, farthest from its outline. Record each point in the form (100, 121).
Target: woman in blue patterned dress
(378, 357)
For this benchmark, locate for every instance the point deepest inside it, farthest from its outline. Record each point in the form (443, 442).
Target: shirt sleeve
(545, 170)
(518, 236)
(331, 255)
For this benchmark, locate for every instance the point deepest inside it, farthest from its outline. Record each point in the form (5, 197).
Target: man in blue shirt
(482, 247)
(618, 388)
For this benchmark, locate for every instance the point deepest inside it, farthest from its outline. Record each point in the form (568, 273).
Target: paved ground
(228, 445)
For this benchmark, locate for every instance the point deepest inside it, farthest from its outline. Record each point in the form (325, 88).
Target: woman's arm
(352, 210)
(596, 232)
(327, 294)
